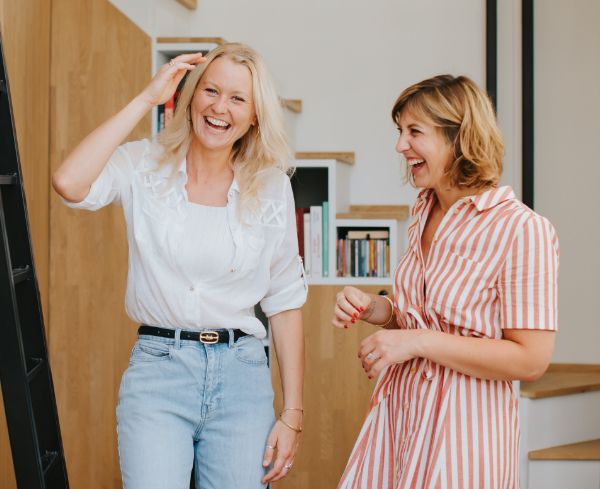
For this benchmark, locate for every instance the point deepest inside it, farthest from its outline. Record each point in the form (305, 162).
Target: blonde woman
(211, 230)
(474, 307)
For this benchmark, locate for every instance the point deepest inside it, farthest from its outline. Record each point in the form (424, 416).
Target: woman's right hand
(165, 82)
(351, 304)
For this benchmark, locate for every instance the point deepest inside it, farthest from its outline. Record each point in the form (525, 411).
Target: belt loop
(231, 337)
(178, 338)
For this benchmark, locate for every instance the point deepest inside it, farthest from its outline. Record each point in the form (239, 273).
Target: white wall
(347, 60)
(567, 165)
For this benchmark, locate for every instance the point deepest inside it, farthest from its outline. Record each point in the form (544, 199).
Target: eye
(415, 131)
(210, 91)
(399, 130)
(237, 98)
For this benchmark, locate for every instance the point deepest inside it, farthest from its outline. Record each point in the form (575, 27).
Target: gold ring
(269, 446)
(288, 466)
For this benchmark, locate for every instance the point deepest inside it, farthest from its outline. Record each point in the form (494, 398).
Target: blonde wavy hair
(265, 144)
(465, 115)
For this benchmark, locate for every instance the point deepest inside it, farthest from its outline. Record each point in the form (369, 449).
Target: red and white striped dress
(492, 265)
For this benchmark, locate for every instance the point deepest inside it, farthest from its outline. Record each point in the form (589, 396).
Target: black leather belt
(207, 336)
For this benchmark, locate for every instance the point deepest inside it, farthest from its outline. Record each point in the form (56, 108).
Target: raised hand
(165, 82)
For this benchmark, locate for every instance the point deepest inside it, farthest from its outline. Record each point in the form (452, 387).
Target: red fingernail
(370, 377)
(353, 320)
(346, 326)
(361, 309)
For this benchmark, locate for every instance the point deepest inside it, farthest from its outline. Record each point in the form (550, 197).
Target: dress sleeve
(113, 185)
(527, 284)
(287, 286)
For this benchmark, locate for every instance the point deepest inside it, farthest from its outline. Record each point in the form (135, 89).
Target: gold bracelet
(392, 313)
(291, 409)
(297, 430)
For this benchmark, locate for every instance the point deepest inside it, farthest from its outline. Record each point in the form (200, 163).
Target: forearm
(288, 338)
(500, 359)
(75, 176)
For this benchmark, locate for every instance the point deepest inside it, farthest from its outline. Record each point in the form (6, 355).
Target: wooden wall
(72, 64)
(25, 27)
(100, 60)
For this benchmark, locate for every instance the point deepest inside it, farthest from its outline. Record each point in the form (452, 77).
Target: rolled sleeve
(287, 287)
(113, 185)
(527, 284)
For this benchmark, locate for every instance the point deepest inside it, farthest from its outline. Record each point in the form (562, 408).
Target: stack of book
(313, 239)
(364, 253)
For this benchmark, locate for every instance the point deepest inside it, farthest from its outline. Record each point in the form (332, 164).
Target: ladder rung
(38, 363)
(8, 179)
(21, 274)
(48, 460)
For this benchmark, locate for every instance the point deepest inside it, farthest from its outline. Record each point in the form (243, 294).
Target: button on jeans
(183, 404)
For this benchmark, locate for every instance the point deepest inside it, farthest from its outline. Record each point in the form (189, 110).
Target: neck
(203, 164)
(447, 196)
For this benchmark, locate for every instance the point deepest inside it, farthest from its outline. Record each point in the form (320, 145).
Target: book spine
(307, 262)
(325, 232)
(316, 239)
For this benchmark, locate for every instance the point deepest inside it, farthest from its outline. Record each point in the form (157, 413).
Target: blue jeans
(184, 403)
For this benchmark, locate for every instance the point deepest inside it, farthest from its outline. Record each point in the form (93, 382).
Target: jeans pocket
(149, 351)
(250, 350)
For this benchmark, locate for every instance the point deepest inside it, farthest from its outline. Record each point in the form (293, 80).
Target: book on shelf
(325, 239)
(306, 231)
(300, 212)
(364, 253)
(316, 241)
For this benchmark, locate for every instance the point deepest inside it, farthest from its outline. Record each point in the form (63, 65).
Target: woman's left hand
(387, 347)
(282, 446)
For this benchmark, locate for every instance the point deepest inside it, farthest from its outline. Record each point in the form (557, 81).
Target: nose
(402, 144)
(219, 105)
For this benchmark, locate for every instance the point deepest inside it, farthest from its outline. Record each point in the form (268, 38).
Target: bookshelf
(327, 180)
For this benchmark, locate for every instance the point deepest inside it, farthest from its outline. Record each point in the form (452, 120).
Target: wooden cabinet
(336, 392)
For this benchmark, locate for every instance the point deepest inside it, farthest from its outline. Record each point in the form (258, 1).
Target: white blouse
(198, 267)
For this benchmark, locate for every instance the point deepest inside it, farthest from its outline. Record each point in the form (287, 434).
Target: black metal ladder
(25, 375)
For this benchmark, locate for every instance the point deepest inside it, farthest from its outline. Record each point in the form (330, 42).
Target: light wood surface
(191, 4)
(563, 379)
(25, 27)
(100, 61)
(294, 105)
(585, 450)
(336, 393)
(344, 157)
(191, 40)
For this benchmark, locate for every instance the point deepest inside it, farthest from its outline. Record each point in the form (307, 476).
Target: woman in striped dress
(474, 307)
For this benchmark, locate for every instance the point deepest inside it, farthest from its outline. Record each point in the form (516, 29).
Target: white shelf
(349, 281)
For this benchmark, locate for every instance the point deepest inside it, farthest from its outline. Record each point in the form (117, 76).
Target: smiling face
(426, 150)
(222, 109)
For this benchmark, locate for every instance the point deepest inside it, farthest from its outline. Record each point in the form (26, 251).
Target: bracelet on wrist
(296, 429)
(391, 312)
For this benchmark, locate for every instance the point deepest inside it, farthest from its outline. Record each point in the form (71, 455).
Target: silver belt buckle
(209, 337)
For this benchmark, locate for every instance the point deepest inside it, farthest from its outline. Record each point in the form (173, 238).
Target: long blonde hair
(265, 144)
(464, 113)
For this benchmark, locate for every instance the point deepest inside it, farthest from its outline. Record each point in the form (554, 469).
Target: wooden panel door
(336, 392)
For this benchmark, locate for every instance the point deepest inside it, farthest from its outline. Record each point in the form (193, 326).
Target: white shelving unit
(335, 178)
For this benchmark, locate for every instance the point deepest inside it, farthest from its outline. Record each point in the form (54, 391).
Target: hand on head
(165, 82)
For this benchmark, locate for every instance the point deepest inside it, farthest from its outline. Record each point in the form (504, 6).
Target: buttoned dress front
(492, 265)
